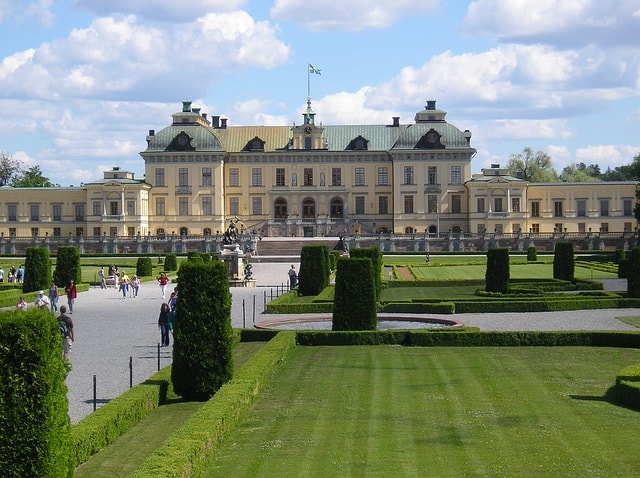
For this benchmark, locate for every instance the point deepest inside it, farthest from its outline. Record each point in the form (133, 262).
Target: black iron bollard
(158, 356)
(130, 372)
(95, 394)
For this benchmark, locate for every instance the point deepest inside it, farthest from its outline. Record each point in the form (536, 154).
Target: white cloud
(609, 154)
(182, 11)
(41, 11)
(118, 58)
(350, 15)
(516, 129)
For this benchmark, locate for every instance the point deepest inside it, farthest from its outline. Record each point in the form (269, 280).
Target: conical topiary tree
(354, 302)
(203, 337)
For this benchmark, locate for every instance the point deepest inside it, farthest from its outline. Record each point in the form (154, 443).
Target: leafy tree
(581, 173)
(8, 168)
(636, 208)
(629, 172)
(534, 167)
(31, 178)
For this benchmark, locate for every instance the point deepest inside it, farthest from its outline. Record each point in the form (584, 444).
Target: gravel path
(111, 331)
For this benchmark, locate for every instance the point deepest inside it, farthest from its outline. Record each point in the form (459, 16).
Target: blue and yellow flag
(314, 70)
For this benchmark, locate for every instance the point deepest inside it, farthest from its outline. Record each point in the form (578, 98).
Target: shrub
(194, 256)
(67, 265)
(203, 337)
(333, 259)
(532, 254)
(354, 304)
(375, 255)
(34, 420)
(144, 267)
(170, 262)
(563, 261)
(37, 268)
(633, 273)
(314, 269)
(497, 274)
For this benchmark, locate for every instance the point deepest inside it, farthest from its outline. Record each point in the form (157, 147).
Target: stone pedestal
(232, 257)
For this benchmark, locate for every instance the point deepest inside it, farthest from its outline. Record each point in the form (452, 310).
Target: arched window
(160, 232)
(456, 229)
(280, 208)
(336, 208)
(433, 229)
(207, 231)
(409, 230)
(184, 231)
(308, 208)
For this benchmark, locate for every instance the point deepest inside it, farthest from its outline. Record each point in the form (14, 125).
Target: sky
(83, 81)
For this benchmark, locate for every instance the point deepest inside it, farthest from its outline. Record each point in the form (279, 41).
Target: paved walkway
(110, 331)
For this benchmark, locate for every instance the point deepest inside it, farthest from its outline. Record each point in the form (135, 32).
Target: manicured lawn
(393, 411)
(128, 452)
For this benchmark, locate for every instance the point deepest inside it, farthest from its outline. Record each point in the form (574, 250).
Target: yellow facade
(314, 180)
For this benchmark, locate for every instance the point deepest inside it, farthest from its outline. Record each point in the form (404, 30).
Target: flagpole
(308, 80)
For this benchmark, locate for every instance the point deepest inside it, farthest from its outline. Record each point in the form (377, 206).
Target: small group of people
(50, 299)
(15, 275)
(128, 285)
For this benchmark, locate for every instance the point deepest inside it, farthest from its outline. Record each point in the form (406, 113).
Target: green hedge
(627, 386)
(102, 427)
(189, 449)
(420, 307)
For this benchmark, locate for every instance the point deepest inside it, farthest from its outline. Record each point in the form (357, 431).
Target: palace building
(313, 180)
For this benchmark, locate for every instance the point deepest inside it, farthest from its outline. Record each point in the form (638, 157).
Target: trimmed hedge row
(470, 337)
(627, 387)
(532, 304)
(102, 427)
(189, 449)
(420, 308)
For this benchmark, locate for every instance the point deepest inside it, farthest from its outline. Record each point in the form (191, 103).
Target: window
(582, 227)
(12, 231)
(256, 206)
(481, 228)
(96, 231)
(383, 205)
(408, 204)
(280, 177)
(160, 177)
(383, 176)
(57, 212)
(604, 227)
(456, 204)
(131, 208)
(308, 208)
(432, 175)
(307, 142)
(234, 206)
(57, 232)
(34, 231)
(234, 177)
(206, 206)
(12, 212)
(497, 205)
(408, 175)
(359, 177)
(113, 208)
(557, 227)
(280, 208)
(557, 208)
(183, 206)
(256, 176)
(336, 176)
(515, 204)
(308, 176)
(359, 204)
(627, 208)
(97, 208)
(604, 207)
(206, 177)
(627, 227)
(480, 205)
(183, 176)
(581, 208)
(131, 231)
(79, 212)
(336, 207)
(456, 175)
(432, 204)
(535, 209)
(160, 211)
(34, 212)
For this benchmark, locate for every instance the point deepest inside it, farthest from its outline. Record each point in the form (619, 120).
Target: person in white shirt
(42, 300)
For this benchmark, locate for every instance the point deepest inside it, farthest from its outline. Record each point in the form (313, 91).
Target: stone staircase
(278, 248)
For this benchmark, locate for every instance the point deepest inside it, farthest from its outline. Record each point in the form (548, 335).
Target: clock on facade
(183, 139)
(432, 137)
(307, 129)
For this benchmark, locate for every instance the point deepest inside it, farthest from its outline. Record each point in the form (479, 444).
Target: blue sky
(82, 81)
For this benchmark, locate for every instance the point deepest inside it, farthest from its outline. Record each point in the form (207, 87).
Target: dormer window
(358, 144)
(256, 144)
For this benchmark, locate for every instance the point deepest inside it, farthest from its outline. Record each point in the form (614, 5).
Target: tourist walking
(66, 329)
(163, 280)
(53, 296)
(293, 277)
(124, 284)
(72, 293)
(163, 324)
(135, 286)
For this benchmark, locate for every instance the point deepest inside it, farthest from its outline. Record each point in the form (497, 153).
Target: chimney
(186, 106)
(396, 121)
(223, 123)
(204, 116)
(215, 121)
(196, 111)
(431, 104)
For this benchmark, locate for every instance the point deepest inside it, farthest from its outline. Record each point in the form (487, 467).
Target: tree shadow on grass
(608, 397)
